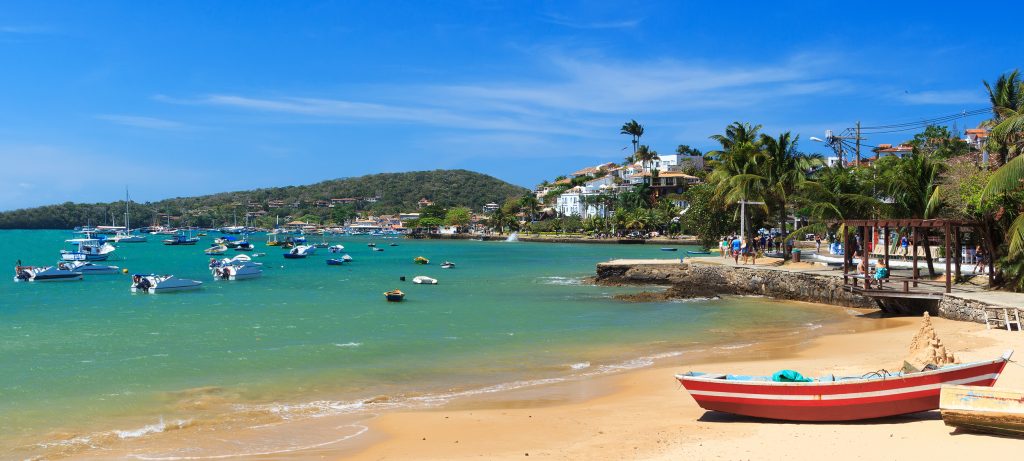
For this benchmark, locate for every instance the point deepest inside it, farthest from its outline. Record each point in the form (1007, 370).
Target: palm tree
(529, 204)
(645, 156)
(735, 135)
(785, 169)
(912, 184)
(1007, 123)
(633, 129)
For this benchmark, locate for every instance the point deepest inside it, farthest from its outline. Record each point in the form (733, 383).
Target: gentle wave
(152, 429)
(561, 280)
(361, 431)
(579, 365)
(351, 344)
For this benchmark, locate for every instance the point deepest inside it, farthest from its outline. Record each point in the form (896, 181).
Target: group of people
(753, 246)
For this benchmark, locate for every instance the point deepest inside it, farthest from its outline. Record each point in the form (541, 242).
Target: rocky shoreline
(690, 280)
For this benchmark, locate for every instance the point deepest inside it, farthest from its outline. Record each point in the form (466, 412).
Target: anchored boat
(162, 284)
(45, 274)
(394, 296)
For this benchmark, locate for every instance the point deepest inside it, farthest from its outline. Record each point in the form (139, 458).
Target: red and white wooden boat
(832, 398)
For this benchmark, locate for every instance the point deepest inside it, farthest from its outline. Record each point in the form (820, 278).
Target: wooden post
(949, 279)
(864, 256)
(846, 251)
(958, 253)
(913, 233)
(887, 242)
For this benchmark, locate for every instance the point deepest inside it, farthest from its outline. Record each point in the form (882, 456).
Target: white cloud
(143, 122)
(944, 97)
(599, 25)
(581, 98)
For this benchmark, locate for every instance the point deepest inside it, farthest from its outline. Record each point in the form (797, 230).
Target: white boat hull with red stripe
(836, 399)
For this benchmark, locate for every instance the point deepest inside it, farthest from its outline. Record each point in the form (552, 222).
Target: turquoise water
(77, 358)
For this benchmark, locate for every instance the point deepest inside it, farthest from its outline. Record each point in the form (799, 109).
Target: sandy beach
(645, 414)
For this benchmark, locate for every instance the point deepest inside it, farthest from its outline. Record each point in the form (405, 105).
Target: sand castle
(926, 347)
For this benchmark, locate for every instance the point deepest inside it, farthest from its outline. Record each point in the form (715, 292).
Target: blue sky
(184, 98)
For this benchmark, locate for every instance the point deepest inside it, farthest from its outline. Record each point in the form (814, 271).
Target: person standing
(736, 245)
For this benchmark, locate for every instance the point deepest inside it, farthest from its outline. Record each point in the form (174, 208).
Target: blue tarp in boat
(790, 376)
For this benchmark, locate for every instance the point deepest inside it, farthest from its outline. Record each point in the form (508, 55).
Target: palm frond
(1006, 179)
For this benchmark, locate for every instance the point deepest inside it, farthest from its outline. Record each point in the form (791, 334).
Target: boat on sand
(876, 394)
(983, 409)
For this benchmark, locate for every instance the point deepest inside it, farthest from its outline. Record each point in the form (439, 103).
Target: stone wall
(701, 279)
(968, 310)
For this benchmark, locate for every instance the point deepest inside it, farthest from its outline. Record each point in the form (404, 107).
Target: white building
(678, 162)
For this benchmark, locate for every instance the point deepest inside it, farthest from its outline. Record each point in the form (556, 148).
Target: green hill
(384, 193)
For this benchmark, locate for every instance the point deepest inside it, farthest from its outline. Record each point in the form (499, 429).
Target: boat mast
(127, 225)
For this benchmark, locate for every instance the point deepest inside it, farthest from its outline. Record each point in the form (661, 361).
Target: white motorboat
(346, 258)
(241, 271)
(162, 284)
(300, 251)
(424, 280)
(87, 249)
(335, 248)
(125, 237)
(447, 265)
(216, 250)
(88, 268)
(45, 274)
(236, 260)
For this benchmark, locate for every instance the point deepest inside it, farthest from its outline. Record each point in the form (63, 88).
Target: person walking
(982, 260)
(736, 245)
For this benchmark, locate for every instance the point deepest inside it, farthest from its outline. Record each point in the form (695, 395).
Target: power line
(929, 121)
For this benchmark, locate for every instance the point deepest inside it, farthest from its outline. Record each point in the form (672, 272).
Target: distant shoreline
(565, 239)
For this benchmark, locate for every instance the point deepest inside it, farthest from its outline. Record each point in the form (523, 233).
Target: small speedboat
(377, 249)
(181, 239)
(393, 245)
(162, 284)
(45, 274)
(371, 244)
(240, 271)
(394, 296)
(424, 280)
(300, 251)
(447, 265)
(346, 258)
(216, 250)
(335, 262)
(335, 249)
(244, 246)
(668, 249)
(421, 260)
(691, 252)
(88, 268)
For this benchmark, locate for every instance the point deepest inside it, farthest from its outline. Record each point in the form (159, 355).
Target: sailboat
(126, 235)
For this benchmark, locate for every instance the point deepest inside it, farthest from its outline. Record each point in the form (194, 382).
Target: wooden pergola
(952, 237)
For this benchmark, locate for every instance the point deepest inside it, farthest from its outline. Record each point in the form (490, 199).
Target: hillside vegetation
(377, 194)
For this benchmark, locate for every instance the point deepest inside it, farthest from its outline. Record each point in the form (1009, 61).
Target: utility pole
(743, 215)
